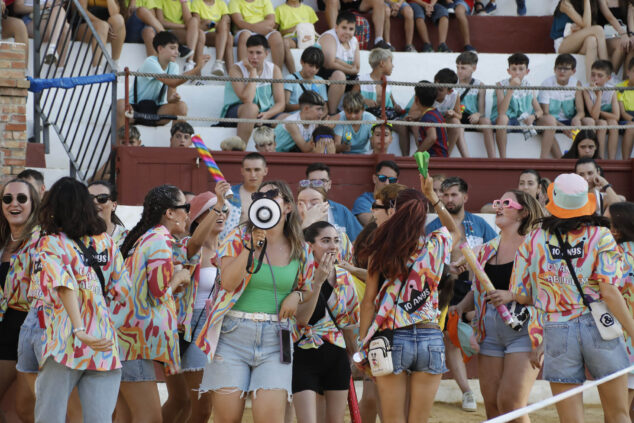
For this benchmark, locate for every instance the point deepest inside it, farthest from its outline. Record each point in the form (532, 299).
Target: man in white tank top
(341, 57)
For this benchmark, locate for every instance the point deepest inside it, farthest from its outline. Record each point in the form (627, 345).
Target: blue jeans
(570, 346)
(500, 339)
(418, 350)
(247, 358)
(97, 392)
(439, 12)
(30, 344)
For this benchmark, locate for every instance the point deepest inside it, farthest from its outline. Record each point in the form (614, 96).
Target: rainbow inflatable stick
(206, 157)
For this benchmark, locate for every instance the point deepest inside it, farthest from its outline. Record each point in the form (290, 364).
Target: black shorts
(326, 368)
(349, 5)
(10, 333)
(100, 12)
(461, 288)
(327, 73)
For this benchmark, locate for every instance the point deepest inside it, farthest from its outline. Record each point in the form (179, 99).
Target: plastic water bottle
(527, 130)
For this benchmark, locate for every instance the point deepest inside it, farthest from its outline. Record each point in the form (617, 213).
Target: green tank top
(258, 296)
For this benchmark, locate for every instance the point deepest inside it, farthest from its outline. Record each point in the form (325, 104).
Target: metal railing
(84, 117)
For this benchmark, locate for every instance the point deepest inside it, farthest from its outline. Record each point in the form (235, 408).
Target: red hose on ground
(353, 404)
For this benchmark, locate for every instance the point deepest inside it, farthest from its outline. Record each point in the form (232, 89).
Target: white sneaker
(218, 68)
(189, 65)
(468, 402)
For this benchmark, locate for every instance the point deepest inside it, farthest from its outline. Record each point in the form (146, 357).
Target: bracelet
(81, 329)
(436, 203)
(301, 296)
(605, 187)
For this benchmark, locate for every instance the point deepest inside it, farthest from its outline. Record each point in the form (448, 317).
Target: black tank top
(4, 269)
(500, 274)
(322, 303)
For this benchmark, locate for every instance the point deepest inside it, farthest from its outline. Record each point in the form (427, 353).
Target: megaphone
(264, 213)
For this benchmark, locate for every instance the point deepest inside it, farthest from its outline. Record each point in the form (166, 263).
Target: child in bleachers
(626, 108)
(292, 137)
(603, 107)
(176, 17)
(264, 139)
(439, 15)
(311, 61)
(341, 57)
(473, 100)
(288, 15)
(520, 108)
(324, 140)
(215, 23)
(353, 138)
(252, 100)
(566, 106)
(154, 95)
(404, 10)
(142, 25)
(375, 138)
(432, 139)
(448, 104)
(252, 17)
(381, 64)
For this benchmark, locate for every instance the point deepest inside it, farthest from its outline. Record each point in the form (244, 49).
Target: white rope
(549, 401)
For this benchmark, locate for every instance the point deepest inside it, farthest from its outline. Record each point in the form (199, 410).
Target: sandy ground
(449, 413)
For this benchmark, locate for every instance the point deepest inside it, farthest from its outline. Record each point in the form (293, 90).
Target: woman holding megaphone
(265, 284)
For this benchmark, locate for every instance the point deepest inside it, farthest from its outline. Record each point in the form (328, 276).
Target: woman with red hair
(404, 270)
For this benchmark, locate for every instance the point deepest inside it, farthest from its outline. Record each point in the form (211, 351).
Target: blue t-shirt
(477, 231)
(345, 219)
(363, 203)
(150, 88)
(296, 89)
(439, 149)
(359, 141)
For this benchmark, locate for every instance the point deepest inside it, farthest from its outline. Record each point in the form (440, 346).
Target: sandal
(478, 8)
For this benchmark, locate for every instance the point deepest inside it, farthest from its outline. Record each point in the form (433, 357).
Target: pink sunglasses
(506, 203)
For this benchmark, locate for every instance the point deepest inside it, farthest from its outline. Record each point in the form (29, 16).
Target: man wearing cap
(253, 171)
(386, 172)
(603, 191)
(568, 267)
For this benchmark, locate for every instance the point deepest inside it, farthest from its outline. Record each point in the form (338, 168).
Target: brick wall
(13, 92)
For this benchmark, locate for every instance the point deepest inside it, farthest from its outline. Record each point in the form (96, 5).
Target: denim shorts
(418, 350)
(195, 359)
(138, 371)
(571, 345)
(247, 358)
(400, 10)
(30, 344)
(439, 12)
(462, 3)
(500, 339)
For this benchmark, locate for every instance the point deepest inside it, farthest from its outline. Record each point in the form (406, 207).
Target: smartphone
(285, 346)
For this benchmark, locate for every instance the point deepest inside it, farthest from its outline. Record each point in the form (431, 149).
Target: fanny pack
(609, 327)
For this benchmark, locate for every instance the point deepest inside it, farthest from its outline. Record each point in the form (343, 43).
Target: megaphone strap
(250, 259)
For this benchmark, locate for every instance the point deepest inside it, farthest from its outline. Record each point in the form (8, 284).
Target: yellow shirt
(172, 11)
(210, 13)
(287, 17)
(148, 4)
(252, 11)
(627, 97)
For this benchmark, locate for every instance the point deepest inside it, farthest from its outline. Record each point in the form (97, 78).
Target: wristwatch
(605, 187)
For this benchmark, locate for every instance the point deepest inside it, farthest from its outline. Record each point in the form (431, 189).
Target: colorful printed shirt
(627, 288)
(16, 286)
(484, 253)
(223, 301)
(540, 271)
(418, 301)
(185, 296)
(521, 101)
(147, 326)
(119, 234)
(344, 305)
(62, 265)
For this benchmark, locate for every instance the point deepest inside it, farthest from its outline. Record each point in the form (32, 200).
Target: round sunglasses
(8, 198)
(388, 179)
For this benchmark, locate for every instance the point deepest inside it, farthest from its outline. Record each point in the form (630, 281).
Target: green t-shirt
(259, 296)
(172, 11)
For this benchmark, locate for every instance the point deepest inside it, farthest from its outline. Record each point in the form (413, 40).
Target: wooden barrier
(141, 168)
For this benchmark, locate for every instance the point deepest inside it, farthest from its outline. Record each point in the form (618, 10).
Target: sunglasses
(270, 194)
(377, 206)
(101, 198)
(507, 203)
(383, 178)
(315, 183)
(8, 198)
(185, 206)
